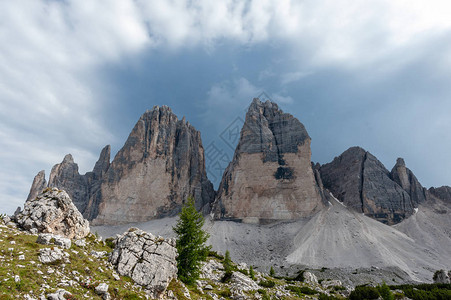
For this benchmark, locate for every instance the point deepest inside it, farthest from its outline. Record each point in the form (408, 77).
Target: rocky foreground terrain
(42, 261)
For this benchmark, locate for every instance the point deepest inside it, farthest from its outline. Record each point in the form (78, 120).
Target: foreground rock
(149, 260)
(53, 212)
(270, 177)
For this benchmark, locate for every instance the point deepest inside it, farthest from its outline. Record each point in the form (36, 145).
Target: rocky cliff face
(442, 193)
(407, 180)
(270, 176)
(38, 185)
(360, 180)
(160, 165)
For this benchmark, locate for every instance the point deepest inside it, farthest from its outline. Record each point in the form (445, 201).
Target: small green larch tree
(191, 242)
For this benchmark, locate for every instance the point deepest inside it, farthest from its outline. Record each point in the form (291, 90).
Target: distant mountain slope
(431, 226)
(338, 237)
(359, 180)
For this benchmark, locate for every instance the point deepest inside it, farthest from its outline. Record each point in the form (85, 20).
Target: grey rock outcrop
(441, 276)
(443, 193)
(407, 180)
(160, 165)
(60, 294)
(53, 212)
(360, 180)
(270, 177)
(149, 260)
(39, 184)
(50, 255)
(49, 239)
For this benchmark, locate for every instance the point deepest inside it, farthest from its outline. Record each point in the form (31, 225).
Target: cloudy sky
(77, 75)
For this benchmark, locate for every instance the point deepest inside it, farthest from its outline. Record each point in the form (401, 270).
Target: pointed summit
(270, 177)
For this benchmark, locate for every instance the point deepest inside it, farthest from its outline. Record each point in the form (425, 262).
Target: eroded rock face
(149, 260)
(53, 212)
(160, 165)
(407, 180)
(360, 180)
(443, 193)
(39, 184)
(270, 177)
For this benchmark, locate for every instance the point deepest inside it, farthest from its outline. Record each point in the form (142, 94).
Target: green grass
(48, 282)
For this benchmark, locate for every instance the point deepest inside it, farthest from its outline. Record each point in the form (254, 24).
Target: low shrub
(267, 283)
(300, 290)
(216, 255)
(364, 292)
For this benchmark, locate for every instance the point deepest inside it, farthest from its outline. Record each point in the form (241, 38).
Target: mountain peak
(270, 176)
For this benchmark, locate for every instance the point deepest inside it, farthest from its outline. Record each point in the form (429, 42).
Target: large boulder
(270, 177)
(147, 259)
(53, 212)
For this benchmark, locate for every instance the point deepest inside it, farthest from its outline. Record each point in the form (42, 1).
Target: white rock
(80, 243)
(149, 261)
(58, 295)
(310, 278)
(47, 255)
(242, 282)
(98, 254)
(101, 289)
(22, 257)
(116, 276)
(49, 239)
(16, 278)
